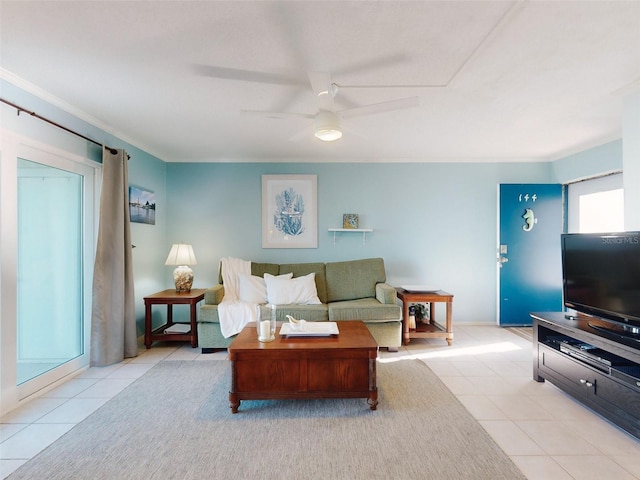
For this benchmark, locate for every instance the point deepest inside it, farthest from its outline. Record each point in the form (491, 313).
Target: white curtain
(113, 321)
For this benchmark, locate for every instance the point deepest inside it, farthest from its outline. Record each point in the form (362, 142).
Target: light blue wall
(433, 223)
(594, 162)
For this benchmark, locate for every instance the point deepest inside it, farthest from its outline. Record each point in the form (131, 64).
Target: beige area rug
(175, 423)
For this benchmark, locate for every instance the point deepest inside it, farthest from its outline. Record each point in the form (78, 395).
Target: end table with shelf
(430, 329)
(170, 298)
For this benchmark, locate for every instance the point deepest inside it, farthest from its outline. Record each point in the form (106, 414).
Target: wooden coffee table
(336, 366)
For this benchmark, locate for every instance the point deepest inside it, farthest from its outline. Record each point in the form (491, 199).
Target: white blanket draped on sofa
(233, 313)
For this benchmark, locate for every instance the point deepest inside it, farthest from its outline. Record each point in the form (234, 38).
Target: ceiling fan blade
(321, 86)
(382, 107)
(247, 75)
(363, 87)
(304, 134)
(289, 101)
(276, 115)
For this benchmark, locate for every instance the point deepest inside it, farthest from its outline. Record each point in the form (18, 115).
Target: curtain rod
(51, 122)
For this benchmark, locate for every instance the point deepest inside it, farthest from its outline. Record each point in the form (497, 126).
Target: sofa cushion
(354, 279)
(285, 291)
(369, 310)
(301, 269)
(310, 313)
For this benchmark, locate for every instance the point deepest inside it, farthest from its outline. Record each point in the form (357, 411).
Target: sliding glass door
(50, 269)
(48, 228)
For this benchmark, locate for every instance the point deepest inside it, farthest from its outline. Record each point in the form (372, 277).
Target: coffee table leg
(372, 401)
(234, 403)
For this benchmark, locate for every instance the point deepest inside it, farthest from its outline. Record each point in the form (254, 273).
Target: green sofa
(351, 290)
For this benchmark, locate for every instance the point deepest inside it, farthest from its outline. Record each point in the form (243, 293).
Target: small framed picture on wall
(142, 205)
(350, 220)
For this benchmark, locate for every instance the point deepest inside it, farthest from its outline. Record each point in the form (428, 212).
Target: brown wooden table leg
(194, 332)
(147, 325)
(234, 402)
(372, 401)
(405, 322)
(449, 324)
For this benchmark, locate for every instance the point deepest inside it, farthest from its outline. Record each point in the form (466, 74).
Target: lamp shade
(181, 254)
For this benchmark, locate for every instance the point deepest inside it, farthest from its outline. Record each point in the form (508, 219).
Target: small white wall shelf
(364, 232)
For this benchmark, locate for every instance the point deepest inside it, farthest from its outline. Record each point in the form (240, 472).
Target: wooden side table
(431, 329)
(170, 298)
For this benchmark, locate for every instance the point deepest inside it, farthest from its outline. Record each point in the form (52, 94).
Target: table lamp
(181, 254)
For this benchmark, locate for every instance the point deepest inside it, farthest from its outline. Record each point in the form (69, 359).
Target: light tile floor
(547, 434)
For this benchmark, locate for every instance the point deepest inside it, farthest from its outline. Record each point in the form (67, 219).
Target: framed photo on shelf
(289, 211)
(350, 220)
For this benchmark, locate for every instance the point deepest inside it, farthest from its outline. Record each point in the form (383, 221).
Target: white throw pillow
(289, 291)
(252, 289)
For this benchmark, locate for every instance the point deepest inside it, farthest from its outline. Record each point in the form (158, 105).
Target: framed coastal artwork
(289, 211)
(142, 205)
(350, 220)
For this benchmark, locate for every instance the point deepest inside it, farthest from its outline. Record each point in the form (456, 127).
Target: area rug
(175, 423)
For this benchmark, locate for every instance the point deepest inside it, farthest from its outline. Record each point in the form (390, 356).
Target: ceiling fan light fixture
(327, 126)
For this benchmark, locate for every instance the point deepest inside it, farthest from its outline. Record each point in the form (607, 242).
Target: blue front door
(530, 273)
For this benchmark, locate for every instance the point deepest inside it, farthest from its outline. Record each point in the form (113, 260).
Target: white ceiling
(496, 80)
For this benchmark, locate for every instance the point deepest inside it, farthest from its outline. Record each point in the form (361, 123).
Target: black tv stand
(594, 366)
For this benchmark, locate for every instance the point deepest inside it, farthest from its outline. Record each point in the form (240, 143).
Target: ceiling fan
(327, 120)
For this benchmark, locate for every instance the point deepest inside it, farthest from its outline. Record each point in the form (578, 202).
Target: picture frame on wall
(142, 205)
(289, 211)
(350, 221)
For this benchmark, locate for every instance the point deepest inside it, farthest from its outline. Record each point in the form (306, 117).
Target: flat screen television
(601, 278)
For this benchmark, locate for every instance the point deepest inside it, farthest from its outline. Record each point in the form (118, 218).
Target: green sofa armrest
(385, 293)
(213, 295)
